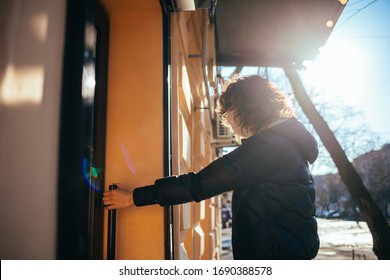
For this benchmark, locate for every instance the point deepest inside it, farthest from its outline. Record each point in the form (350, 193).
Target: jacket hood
(297, 133)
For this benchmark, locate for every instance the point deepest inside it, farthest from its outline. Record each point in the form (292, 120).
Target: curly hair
(257, 103)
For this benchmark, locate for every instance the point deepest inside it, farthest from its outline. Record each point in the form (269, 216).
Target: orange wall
(135, 120)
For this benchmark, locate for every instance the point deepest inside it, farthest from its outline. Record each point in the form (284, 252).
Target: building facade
(333, 199)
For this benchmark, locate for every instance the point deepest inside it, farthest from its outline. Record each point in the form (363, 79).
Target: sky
(355, 62)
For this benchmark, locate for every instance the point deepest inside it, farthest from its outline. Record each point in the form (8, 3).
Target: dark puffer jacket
(273, 198)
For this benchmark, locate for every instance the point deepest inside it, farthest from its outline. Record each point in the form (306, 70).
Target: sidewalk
(340, 240)
(344, 240)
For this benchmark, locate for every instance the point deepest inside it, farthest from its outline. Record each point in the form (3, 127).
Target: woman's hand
(118, 198)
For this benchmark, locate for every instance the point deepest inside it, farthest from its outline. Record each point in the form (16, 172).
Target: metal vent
(223, 131)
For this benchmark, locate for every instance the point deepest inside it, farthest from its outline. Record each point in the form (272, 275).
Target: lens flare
(90, 174)
(127, 158)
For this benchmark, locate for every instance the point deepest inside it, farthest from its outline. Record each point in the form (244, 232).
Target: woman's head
(253, 103)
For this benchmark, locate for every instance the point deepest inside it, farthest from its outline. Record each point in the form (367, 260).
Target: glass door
(83, 132)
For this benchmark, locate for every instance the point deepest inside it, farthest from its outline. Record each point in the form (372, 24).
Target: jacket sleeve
(240, 168)
(184, 188)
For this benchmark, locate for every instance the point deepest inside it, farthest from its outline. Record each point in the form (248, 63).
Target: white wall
(31, 52)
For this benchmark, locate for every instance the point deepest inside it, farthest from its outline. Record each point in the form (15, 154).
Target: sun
(338, 71)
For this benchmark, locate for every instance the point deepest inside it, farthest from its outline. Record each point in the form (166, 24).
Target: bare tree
(347, 122)
(370, 211)
(348, 125)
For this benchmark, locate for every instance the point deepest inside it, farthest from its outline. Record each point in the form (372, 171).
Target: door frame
(80, 215)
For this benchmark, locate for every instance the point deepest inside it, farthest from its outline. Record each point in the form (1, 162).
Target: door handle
(111, 230)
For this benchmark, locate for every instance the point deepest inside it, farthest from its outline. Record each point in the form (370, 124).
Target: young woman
(273, 190)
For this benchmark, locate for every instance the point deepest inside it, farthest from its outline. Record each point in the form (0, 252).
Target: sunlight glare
(338, 69)
(39, 25)
(22, 85)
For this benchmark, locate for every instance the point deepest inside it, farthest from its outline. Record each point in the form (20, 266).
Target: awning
(273, 32)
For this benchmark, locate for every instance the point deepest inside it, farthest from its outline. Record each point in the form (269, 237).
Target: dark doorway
(82, 132)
